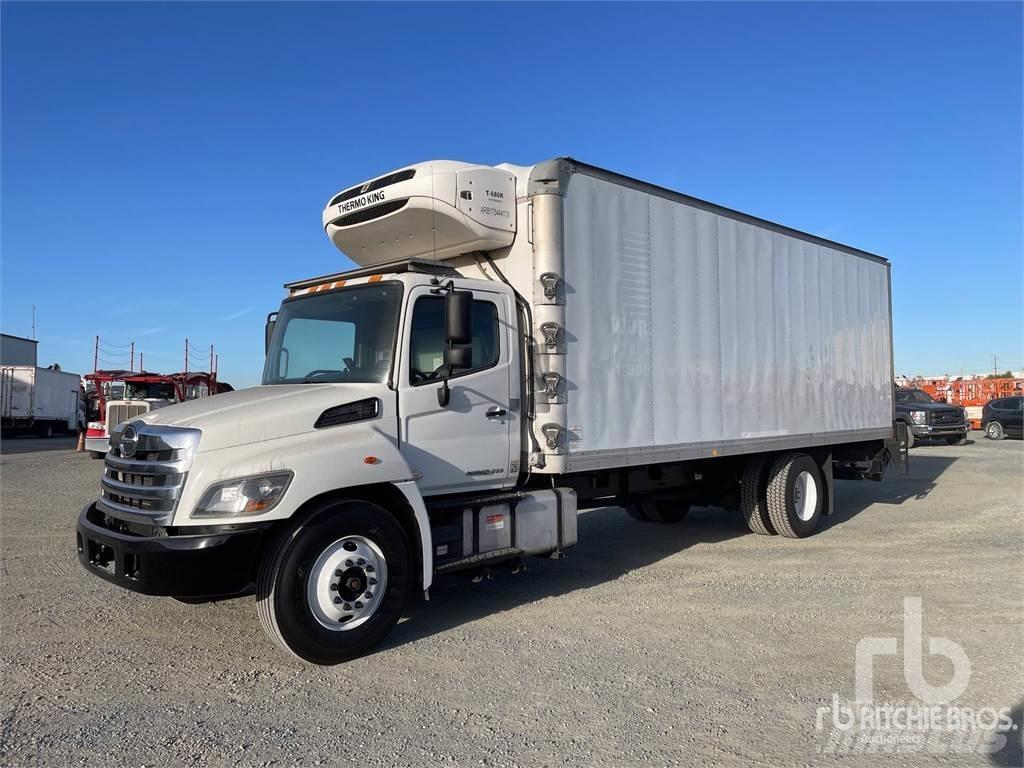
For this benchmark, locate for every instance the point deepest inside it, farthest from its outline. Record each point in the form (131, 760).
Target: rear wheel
(96, 454)
(753, 498)
(994, 431)
(794, 495)
(335, 583)
(658, 510)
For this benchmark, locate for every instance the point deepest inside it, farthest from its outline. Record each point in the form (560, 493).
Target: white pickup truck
(517, 344)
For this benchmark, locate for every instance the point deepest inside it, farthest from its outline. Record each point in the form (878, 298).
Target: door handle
(495, 412)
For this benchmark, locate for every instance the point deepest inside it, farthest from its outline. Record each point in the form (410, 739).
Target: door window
(427, 342)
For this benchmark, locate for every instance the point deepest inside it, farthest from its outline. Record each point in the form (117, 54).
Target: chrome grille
(118, 413)
(146, 486)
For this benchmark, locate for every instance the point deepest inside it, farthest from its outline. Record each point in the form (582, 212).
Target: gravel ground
(695, 644)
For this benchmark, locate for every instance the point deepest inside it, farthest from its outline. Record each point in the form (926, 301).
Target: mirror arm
(444, 394)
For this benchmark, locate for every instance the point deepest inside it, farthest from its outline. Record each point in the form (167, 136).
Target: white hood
(260, 413)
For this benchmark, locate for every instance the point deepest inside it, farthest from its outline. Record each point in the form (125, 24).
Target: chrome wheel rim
(347, 583)
(805, 496)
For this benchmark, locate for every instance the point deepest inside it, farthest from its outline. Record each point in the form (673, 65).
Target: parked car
(1003, 417)
(928, 419)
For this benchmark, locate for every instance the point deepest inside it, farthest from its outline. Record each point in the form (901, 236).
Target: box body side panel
(685, 327)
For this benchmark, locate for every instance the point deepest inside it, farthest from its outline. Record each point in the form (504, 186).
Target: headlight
(244, 495)
(918, 417)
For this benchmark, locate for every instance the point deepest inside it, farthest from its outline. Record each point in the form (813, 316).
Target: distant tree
(1007, 375)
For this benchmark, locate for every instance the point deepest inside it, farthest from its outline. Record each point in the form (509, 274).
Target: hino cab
(384, 386)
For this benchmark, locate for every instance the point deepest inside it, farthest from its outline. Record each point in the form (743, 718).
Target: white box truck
(40, 401)
(518, 343)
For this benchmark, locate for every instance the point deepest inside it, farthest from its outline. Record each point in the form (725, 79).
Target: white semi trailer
(518, 343)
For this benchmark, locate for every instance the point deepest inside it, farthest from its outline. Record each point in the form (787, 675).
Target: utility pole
(131, 365)
(142, 367)
(96, 356)
(33, 321)
(186, 354)
(995, 370)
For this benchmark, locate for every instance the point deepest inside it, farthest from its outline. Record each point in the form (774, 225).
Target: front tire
(335, 582)
(995, 431)
(795, 494)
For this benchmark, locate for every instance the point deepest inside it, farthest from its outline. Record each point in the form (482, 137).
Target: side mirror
(268, 332)
(458, 328)
(458, 336)
(458, 357)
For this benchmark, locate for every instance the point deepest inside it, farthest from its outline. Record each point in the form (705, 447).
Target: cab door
(465, 445)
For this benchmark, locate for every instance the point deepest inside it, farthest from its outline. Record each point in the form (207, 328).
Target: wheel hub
(347, 583)
(805, 496)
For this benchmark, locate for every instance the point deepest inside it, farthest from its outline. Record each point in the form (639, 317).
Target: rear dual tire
(795, 495)
(658, 510)
(333, 585)
(753, 496)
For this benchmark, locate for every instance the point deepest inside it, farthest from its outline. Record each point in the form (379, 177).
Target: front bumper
(97, 444)
(217, 562)
(941, 430)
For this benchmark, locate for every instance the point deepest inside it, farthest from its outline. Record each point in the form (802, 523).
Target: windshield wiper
(309, 377)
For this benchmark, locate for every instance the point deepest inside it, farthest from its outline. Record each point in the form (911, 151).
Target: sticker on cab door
(494, 522)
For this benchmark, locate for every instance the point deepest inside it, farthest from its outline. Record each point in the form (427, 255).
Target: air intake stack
(437, 210)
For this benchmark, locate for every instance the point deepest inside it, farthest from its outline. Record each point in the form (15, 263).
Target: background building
(15, 350)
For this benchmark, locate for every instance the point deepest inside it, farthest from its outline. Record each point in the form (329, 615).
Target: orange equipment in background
(970, 392)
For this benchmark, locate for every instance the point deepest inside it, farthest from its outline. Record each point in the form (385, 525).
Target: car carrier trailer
(518, 343)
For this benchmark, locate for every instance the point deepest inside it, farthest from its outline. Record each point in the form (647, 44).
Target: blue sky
(165, 165)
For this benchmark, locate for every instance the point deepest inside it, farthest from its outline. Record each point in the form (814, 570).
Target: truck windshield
(913, 396)
(345, 335)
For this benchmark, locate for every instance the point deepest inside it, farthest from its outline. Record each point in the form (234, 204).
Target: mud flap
(825, 465)
(896, 452)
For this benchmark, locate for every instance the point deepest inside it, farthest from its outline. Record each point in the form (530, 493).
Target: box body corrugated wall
(28, 393)
(691, 330)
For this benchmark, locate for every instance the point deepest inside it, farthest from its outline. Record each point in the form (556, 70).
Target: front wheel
(994, 431)
(334, 584)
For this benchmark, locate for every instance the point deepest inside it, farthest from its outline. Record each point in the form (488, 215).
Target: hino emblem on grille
(129, 441)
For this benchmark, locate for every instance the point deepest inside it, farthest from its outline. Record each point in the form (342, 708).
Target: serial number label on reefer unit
(490, 210)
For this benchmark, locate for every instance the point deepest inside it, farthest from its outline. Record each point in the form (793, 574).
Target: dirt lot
(693, 644)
